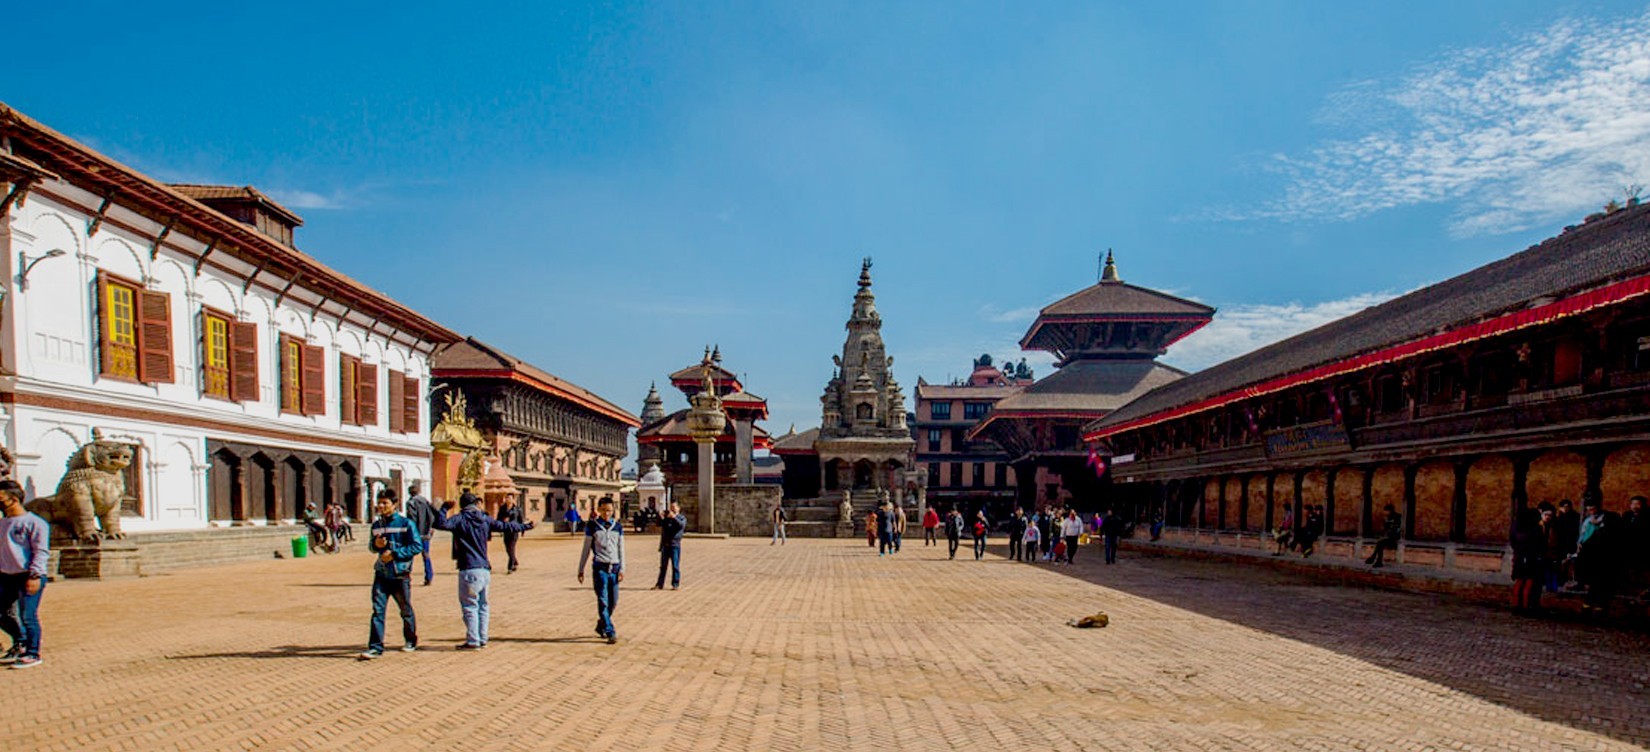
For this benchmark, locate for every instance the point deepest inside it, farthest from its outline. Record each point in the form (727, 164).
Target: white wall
(50, 337)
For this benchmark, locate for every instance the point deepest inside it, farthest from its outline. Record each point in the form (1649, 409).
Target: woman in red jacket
(930, 524)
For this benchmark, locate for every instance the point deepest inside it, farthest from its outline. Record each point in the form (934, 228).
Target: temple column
(707, 486)
(743, 438)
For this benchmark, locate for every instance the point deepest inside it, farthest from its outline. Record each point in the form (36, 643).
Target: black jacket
(471, 529)
(670, 531)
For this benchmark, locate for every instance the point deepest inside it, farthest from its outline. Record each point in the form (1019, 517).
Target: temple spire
(1109, 273)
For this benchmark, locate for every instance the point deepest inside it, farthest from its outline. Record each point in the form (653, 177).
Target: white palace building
(249, 377)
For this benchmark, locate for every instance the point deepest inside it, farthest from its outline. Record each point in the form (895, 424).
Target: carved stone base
(112, 559)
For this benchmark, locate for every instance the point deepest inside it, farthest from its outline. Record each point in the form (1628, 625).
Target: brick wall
(741, 509)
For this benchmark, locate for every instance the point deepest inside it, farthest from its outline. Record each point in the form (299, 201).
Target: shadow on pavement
(285, 651)
(1587, 677)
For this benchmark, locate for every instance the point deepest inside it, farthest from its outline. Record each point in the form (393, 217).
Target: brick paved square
(816, 645)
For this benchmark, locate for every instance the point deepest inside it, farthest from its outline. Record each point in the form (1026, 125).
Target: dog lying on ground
(1096, 621)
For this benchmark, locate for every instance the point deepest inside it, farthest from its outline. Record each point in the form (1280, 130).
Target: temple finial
(865, 272)
(1109, 273)
(716, 354)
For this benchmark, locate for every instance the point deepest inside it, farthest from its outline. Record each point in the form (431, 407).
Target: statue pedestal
(113, 559)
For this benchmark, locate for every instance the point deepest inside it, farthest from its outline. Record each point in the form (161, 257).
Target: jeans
(510, 548)
(1071, 548)
(1111, 549)
(1030, 552)
(952, 542)
(928, 538)
(897, 537)
(885, 543)
(429, 571)
(607, 599)
(779, 532)
(1014, 547)
(385, 587)
(472, 603)
(979, 546)
(671, 557)
(24, 628)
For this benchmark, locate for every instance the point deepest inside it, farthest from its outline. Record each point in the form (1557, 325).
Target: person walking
(1029, 539)
(604, 540)
(1048, 529)
(930, 524)
(571, 517)
(509, 511)
(395, 540)
(25, 549)
(981, 530)
(671, 527)
(1071, 529)
(777, 517)
(953, 531)
(472, 529)
(422, 513)
(1110, 530)
(885, 529)
(899, 526)
(1391, 530)
(1016, 534)
(1529, 549)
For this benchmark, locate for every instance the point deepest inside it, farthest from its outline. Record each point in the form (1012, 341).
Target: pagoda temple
(1105, 340)
(664, 438)
(863, 441)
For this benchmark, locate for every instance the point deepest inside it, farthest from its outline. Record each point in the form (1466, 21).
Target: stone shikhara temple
(1523, 381)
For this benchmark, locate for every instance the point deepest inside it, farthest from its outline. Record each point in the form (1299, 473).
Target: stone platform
(153, 553)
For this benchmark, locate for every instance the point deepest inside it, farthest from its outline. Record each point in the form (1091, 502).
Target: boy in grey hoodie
(604, 538)
(24, 541)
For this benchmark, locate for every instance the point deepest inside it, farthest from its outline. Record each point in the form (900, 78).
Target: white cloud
(1242, 329)
(300, 199)
(992, 313)
(1546, 128)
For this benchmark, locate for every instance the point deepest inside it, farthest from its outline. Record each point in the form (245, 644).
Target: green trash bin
(300, 547)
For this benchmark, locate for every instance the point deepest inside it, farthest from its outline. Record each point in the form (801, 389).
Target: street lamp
(26, 265)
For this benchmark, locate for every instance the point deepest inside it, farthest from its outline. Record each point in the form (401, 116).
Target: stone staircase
(817, 518)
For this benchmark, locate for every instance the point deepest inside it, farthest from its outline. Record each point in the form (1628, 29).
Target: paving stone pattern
(818, 644)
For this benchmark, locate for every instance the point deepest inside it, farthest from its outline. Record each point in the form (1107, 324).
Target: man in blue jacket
(395, 540)
(472, 529)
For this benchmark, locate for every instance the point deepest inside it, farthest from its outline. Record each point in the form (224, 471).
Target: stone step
(813, 514)
(810, 529)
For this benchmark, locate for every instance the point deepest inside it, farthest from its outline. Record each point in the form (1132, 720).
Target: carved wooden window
(135, 331)
(229, 357)
(366, 394)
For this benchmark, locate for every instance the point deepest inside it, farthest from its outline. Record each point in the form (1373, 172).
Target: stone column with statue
(705, 424)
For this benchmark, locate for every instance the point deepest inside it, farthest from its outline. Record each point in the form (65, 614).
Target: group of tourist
(329, 528)
(1303, 538)
(1596, 552)
(398, 538)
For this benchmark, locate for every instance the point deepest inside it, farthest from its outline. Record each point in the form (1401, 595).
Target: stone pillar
(922, 503)
(744, 436)
(707, 486)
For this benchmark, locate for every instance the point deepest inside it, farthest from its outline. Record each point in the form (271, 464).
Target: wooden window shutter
(366, 394)
(313, 382)
(243, 361)
(411, 395)
(105, 344)
(348, 365)
(154, 315)
(397, 415)
(292, 398)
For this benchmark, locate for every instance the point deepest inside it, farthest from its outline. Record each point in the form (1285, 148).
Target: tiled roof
(948, 391)
(1123, 299)
(241, 192)
(92, 171)
(796, 442)
(1090, 386)
(1599, 252)
(696, 372)
(675, 425)
(472, 354)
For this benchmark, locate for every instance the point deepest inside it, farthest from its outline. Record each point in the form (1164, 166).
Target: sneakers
(11, 656)
(367, 655)
(675, 587)
(612, 638)
(468, 646)
(30, 661)
(411, 647)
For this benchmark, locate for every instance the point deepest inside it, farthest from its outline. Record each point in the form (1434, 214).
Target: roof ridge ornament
(1109, 272)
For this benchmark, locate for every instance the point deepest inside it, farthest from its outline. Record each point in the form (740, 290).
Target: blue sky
(604, 190)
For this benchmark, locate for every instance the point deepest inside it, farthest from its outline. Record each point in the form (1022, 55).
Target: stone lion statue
(90, 491)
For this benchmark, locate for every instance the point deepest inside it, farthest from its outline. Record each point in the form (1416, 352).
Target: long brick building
(1524, 381)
